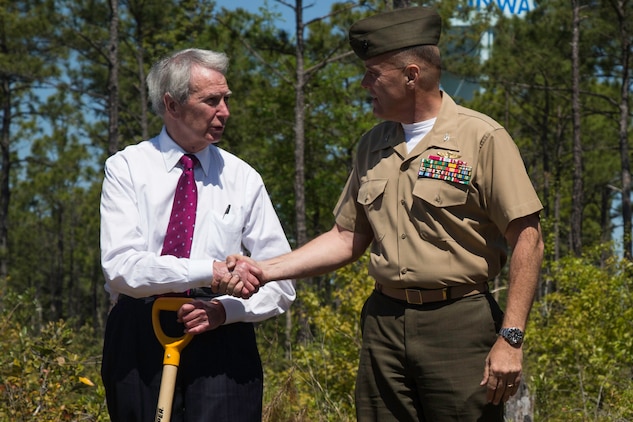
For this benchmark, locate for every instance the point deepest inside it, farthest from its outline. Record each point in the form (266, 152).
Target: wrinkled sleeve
(508, 193)
(129, 265)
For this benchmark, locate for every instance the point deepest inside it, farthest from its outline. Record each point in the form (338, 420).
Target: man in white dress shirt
(220, 372)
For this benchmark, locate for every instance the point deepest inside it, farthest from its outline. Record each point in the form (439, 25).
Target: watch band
(513, 335)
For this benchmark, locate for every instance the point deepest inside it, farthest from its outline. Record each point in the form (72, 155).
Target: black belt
(197, 293)
(421, 296)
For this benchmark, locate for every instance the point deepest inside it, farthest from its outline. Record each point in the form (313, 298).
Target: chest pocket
(440, 193)
(372, 191)
(443, 193)
(371, 194)
(440, 185)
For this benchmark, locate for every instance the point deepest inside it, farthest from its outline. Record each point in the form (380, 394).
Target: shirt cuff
(200, 273)
(233, 307)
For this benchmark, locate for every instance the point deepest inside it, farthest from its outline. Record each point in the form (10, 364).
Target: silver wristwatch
(513, 335)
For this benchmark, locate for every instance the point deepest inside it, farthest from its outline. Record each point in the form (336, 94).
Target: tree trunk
(625, 83)
(519, 407)
(300, 205)
(299, 154)
(5, 192)
(577, 195)
(113, 79)
(142, 90)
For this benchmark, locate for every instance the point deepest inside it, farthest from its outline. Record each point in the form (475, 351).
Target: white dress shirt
(234, 215)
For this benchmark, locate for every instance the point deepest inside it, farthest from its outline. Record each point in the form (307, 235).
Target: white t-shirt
(414, 132)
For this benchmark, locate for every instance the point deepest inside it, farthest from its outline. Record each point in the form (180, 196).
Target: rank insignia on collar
(444, 168)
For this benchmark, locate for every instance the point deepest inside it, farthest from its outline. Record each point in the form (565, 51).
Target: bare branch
(254, 52)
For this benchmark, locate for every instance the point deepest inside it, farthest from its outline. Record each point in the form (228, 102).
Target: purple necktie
(183, 212)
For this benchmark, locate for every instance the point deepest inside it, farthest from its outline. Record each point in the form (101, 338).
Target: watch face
(513, 335)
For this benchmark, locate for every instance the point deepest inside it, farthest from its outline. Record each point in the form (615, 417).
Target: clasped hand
(239, 276)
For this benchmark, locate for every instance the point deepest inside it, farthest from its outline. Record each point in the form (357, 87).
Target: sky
(311, 8)
(315, 8)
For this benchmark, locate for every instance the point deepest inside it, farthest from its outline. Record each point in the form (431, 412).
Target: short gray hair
(172, 74)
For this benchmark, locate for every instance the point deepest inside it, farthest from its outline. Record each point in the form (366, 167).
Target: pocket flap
(440, 193)
(370, 190)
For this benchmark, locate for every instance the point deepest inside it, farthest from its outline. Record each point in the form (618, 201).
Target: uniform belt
(421, 296)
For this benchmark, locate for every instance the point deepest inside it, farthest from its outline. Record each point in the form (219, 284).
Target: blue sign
(508, 7)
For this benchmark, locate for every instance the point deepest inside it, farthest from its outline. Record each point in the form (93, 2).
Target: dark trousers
(425, 363)
(220, 376)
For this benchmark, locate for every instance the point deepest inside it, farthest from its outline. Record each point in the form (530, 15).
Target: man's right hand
(239, 276)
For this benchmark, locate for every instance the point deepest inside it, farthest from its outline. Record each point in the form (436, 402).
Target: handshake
(239, 276)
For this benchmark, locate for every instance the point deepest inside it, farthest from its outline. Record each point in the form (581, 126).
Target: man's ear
(412, 72)
(171, 105)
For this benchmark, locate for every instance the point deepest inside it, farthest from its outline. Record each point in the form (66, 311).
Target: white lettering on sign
(508, 7)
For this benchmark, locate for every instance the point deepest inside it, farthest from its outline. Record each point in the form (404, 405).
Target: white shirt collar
(172, 152)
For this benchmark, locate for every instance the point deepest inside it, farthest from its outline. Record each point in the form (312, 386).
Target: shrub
(49, 372)
(579, 352)
(317, 383)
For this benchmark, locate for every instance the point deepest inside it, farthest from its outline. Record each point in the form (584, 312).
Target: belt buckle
(414, 296)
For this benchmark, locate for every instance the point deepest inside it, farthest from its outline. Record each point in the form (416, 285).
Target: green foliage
(54, 215)
(531, 98)
(317, 383)
(48, 372)
(579, 356)
(54, 61)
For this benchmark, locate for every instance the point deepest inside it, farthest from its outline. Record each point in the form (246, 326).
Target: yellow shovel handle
(173, 345)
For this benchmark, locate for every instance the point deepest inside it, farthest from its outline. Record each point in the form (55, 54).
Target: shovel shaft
(166, 395)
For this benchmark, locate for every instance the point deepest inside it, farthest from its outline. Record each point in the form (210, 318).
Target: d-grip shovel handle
(173, 346)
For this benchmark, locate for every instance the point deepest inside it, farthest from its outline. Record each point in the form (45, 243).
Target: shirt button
(403, 271)
(438, 199)
(402, 202)
(403, 235)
